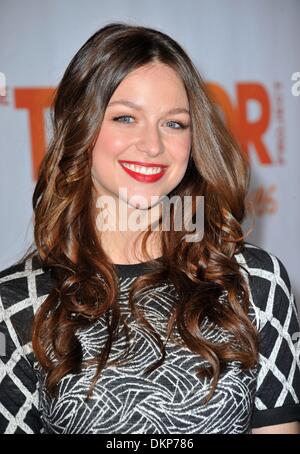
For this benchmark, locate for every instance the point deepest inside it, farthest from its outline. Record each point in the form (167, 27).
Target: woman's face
(141, 126)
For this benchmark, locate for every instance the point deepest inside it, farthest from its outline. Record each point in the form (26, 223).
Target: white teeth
(143, 170)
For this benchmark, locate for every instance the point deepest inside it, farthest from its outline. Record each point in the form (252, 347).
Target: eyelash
(182, 125)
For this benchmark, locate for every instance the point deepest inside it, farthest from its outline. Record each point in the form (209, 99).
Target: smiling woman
(114, 331)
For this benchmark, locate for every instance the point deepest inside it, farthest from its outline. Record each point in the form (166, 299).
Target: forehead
(154, 80)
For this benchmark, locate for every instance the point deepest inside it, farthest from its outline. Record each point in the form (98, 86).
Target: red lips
(144, 164)
(141, 177)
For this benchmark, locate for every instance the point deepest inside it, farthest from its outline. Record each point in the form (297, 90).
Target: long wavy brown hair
(67, 241)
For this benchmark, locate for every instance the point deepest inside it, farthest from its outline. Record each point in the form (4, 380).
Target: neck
(121, 237)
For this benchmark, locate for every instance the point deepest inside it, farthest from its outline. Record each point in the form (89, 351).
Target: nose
(149, 141)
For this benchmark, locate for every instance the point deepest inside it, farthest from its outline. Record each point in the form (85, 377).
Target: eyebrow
(137, 107)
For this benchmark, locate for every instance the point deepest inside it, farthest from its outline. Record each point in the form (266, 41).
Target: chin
(140, 205)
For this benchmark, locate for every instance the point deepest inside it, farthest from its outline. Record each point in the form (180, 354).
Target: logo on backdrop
(296, 86)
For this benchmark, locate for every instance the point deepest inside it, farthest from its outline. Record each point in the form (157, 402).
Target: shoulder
(264, 269)
(22, 278)
(23, 287)
(262, 263)
(269, 282)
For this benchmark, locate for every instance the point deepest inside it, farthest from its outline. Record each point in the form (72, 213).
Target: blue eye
(122, 117)
(181, 125)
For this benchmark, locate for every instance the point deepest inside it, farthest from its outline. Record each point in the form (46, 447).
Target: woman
(151, 331)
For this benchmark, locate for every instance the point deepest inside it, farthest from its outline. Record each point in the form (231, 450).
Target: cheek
(180, 150)
(107, 145)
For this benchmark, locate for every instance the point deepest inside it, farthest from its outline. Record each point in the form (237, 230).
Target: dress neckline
(135, 269)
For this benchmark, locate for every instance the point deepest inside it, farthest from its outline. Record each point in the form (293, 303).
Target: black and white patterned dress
(169, 399)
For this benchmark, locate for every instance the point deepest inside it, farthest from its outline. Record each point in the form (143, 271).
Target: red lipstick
(151, 178)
